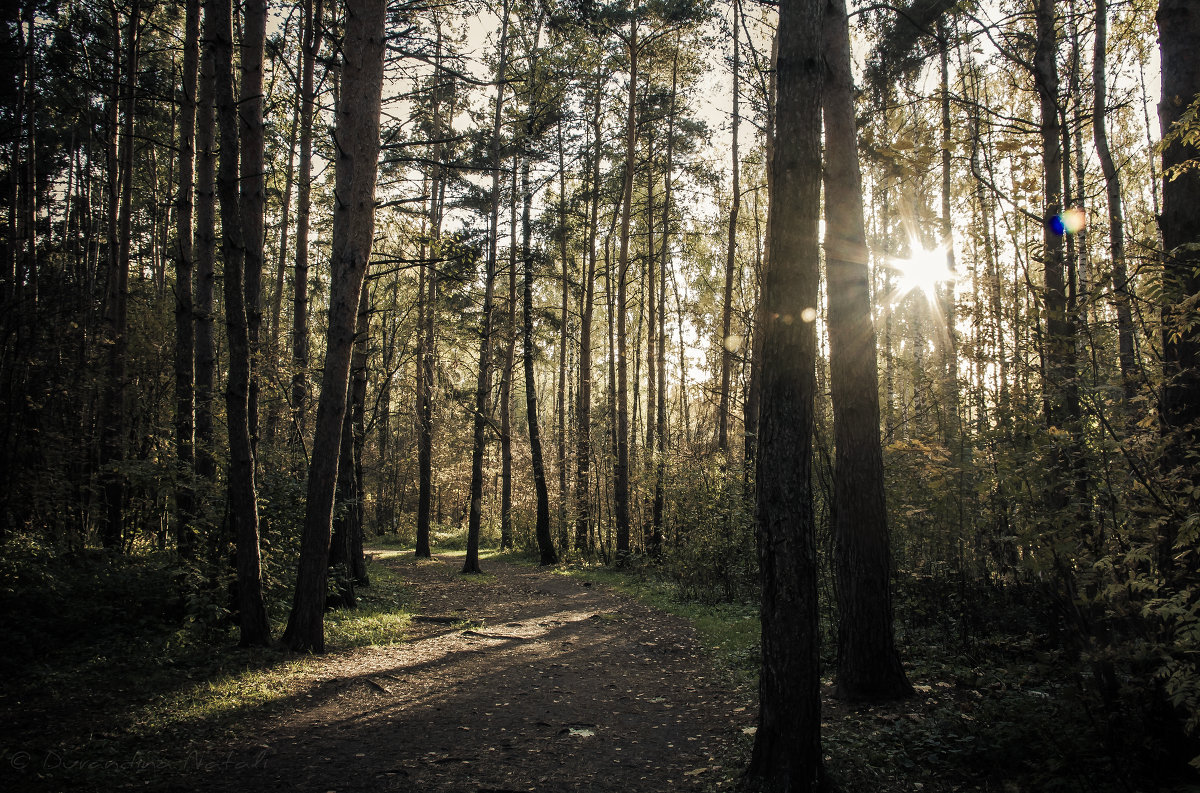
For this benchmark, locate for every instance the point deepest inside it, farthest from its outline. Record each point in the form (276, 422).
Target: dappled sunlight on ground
(516, 680)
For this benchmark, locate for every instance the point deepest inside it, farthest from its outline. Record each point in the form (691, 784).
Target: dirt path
(553, 685)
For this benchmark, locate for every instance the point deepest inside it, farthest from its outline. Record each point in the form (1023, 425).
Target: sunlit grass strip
(730, 631)
(211, 703)
(272, 676)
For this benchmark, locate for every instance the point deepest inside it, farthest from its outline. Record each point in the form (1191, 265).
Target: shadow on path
(554, 685)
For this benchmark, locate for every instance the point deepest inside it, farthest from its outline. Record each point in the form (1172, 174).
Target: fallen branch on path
(502, 636)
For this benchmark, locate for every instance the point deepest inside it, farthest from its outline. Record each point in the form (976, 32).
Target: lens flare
(1072, 220)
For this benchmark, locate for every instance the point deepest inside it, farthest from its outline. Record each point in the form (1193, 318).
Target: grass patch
(384, 611)
(107, 689)
(730, 631)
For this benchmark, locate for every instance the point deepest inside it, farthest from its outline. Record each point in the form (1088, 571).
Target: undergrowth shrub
(55, 601)
(712, 555)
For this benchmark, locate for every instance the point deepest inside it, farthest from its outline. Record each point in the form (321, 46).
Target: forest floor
(519, 679)
(524, 678)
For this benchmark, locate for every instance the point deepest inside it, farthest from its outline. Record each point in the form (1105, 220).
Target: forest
(861, 337)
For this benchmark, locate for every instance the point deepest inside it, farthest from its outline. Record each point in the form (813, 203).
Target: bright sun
(922, 272)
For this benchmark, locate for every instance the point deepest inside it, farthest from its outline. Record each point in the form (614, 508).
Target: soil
(518, 680)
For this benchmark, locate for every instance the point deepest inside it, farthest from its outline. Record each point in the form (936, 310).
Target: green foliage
(711, 558)
(1003, 717)
(281, 522)
(90, 637)
(84, 604)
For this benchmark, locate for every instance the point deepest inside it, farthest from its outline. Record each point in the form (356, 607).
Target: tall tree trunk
(312, 46)
(610, 293)
(1059, 348)
(483, 383)
(544, 540)
(787, 744)
(684, 405)
(949, 357)
(205, 253)
(357, 145)
(345, 496)
(243, 501)
(185, 321)
(358, 425)
(650, 537)
(253, 201)
(1179, 34)
(726, 340)
(345, 548)
(868, 665)
(754, 387)
(428, 344)
(564, 495)
(506, 376)
(1116, 212)
(120, 219)
(660, 459)
(27, 276)
(583, 451)
(12, 246)
(289, 182)
(424, 462)
(274, 350)
(621, 465)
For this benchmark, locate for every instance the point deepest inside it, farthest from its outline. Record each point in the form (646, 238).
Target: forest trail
(518, 680)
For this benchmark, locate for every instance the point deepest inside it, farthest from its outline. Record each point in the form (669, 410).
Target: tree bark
(483, 383)
(621, 465)
(545, 541)
(946, 296)
(660, 458)
(253, 200)
(117, 320)
(275, 352)
(754, 387)
(205, 252)
(357, 145)
(726, 341)
(583, 451)
(650, 538)
(427, 348)
(242, 509)
(1116, 212)
(868, 665)
(506, 376)
(345, 549)
(1179, 33)
(312, 46)
(787, 744)
(185, 320)
(564, 495)
(289, 184)
(27, 276)
(1059, 347)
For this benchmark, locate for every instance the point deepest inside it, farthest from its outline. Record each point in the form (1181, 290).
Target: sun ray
(922, 272)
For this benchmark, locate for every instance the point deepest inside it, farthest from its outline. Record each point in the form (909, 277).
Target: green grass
(99, 668)
(730, 631)
(106, 676)
(384, 611)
